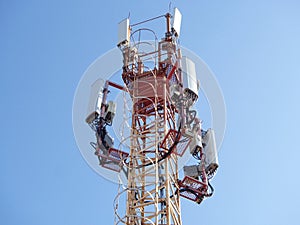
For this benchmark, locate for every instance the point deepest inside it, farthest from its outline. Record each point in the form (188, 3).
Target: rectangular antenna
(123, 32)
(95, 96)
(189, 77)
(176, 22)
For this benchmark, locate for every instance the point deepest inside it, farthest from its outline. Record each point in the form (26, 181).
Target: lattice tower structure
(152, 196)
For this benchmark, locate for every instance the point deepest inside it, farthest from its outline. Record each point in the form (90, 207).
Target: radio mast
(163, 125)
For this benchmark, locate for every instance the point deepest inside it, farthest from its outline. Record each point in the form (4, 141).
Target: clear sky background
(253, 47)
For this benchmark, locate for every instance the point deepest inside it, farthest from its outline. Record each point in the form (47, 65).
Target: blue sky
(253, 47)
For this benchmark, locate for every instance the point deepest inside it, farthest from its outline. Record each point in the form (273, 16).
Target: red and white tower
(163, 125)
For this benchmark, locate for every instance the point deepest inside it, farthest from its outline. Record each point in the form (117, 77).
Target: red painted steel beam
(118, 86)
(172, 71)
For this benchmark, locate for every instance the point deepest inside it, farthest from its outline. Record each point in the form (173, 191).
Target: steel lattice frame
(152, 196)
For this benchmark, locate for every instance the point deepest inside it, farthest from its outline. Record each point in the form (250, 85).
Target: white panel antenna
(96, 96)
(123, 32)
(211, 159)
(189, 76)
(176, 22)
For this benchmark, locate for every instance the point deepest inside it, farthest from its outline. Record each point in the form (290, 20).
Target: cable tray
(114, 159)
(169, 140)
(192, 189)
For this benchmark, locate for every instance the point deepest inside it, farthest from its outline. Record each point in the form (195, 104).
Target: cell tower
(162, 126)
